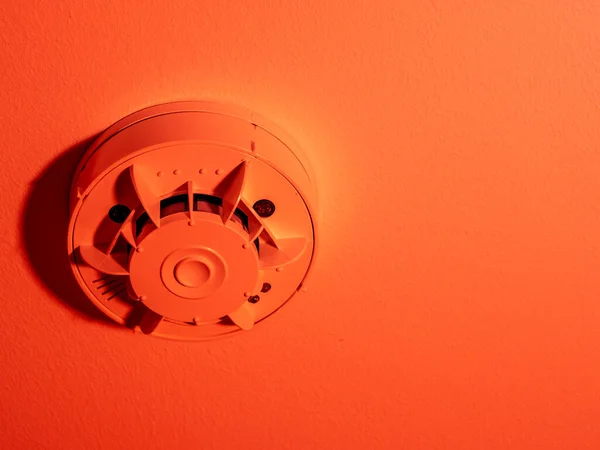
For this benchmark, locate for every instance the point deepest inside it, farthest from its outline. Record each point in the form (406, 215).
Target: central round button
(204, 270)
(192, 272)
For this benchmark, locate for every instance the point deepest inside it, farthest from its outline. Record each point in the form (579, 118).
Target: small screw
(254, 299)
(264, 208)
(266, 287)
(118, 213)
(176, 172)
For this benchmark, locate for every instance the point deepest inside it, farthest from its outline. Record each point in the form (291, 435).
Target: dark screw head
(266, 287)
(254, 299)
(118, 213)
(264, 208)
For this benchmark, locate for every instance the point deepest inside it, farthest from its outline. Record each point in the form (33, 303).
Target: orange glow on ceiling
(455, 301)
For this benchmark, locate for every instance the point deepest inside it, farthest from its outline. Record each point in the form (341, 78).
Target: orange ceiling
(456, 298)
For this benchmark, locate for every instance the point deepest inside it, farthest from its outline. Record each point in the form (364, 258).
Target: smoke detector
(191, 220)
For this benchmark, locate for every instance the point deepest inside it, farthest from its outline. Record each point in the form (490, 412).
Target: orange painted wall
(456, 300)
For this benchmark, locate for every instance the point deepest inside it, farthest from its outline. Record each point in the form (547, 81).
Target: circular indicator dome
(184, 217)
(192, 272)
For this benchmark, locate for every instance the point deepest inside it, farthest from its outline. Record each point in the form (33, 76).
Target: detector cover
(191, 220)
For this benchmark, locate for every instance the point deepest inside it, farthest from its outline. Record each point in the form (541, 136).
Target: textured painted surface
(456, 301)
